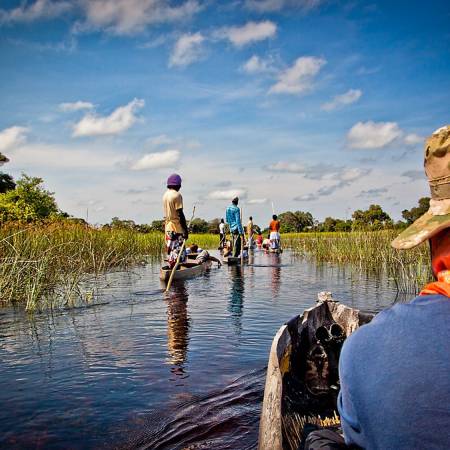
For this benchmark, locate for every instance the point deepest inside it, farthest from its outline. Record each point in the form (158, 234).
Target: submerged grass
(409, 269)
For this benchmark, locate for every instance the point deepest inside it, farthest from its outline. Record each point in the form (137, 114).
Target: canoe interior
(302, 382)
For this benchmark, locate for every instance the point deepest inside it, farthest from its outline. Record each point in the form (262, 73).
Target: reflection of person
(395, 371)
(236, 302)
(176, 229)
(233, 216)
(274, 228)
(178, 325)
(275, 280)
(222, 234)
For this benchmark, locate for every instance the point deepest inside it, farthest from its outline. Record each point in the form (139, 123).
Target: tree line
(27, 201)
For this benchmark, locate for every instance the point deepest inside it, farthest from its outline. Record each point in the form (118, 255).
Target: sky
(311, 105)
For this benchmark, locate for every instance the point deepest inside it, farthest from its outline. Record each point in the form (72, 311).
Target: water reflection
(236, 298)
(275, 278)
(178, 324)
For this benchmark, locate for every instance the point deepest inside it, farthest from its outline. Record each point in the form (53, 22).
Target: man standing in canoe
(250, 232)
(222, 234)
(274, 228)
(395, 371)
(176, 229)
(233, 218)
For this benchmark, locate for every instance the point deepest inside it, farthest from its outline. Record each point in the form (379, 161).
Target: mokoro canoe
(302, 381)
(233, 260)
(185, 271)
(275, 250)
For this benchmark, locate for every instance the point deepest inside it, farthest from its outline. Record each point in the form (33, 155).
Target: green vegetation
(369, 251)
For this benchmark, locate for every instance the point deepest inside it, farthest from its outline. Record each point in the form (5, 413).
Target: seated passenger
(204, 256)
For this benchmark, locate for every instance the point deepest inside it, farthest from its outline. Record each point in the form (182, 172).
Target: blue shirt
(233, 218)
(395, 378)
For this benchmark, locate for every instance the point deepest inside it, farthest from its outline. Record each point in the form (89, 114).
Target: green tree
(199, 226)
(6, 181)
(158, 225)
(373, 218)
(411, 215)
(213, 226)
(29, 201)
(295, 221)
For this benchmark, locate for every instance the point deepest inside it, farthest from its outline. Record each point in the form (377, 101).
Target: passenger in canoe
(274, 228)
(201, 255)
(176, 230)
(395, 371)
(233, 217)
(259, 240)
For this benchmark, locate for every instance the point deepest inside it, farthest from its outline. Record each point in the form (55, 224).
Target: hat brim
(422, 229)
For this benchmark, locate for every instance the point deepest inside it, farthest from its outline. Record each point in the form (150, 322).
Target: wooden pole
(177, 263)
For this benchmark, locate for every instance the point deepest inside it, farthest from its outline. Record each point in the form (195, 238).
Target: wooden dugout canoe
(185, 271)
(302, 375)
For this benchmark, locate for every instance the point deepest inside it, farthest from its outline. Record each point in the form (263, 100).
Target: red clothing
(274, 225)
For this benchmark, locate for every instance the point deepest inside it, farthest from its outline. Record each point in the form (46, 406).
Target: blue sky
(312, 105)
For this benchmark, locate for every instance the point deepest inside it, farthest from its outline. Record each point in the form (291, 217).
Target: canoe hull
(288, 366)
(186, 271)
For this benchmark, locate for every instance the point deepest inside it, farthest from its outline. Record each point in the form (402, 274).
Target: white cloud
(159, 140)
(349, 97)
(372, 135)
(257, 65)
(118, 121)
(228, 195)
(290, 167)
(299, 78)
(248, 33)
(263, 6)
(187, 49)
(413, 139)
(12, 137)
(133, 16)
(75, 106)
(257, 201)
(39, 10)
(157, 160)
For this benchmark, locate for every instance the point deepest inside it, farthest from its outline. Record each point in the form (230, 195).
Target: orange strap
(441, 286)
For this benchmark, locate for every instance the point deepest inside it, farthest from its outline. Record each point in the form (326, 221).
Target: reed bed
(370, 251)
(40, 264)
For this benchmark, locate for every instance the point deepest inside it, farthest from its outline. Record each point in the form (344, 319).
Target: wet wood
(185, 271)
(298, 334)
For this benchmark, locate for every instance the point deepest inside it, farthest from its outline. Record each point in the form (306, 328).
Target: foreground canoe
(185, 271)
(302, 380)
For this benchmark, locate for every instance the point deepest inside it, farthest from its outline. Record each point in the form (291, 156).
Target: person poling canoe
(176, 229)
(274, 237)
(233, 217)
(395, 371)
(222, 234)
(250, 232)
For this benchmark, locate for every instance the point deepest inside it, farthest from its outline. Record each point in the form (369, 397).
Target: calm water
(150, 370)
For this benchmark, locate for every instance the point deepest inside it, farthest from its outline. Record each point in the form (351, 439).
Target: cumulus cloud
(373, 192)
(349, 97)
(312, 172)
(187, 49)
(263, 6)
(75, 106)
(257, 65)
(299, 78)
(12, 137)
(257, 201)
(248, 33)
(289, 167)
(117, 122)
(373, 135)
(228, 194)
(413, 139)
(134, 16)
(39, 10)
(157, 160)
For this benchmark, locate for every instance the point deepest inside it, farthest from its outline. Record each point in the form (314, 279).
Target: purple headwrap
(174, 180)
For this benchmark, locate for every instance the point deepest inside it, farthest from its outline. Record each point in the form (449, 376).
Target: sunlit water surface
(183, 370)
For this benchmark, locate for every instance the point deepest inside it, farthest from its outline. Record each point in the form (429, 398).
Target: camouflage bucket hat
(437, 169)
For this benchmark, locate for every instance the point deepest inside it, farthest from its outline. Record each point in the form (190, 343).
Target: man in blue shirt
(233, 218)
(395, 371)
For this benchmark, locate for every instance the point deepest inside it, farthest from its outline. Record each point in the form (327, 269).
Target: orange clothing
(274, 225)
(441, 286)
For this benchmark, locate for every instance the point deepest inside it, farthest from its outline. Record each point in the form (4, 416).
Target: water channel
(143, 369)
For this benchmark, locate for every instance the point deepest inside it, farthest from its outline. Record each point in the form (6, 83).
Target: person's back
(274, 226)
(172, 202)
(395, 375)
